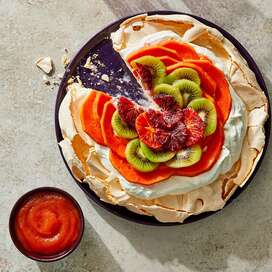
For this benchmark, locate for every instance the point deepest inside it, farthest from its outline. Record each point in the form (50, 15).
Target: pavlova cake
(197, 138)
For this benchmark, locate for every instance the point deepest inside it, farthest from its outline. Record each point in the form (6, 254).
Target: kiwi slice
(154, 64)
(156, 156)
(186, 157)
(189, 90)
(169, 90)
(183, 73)
(121, 128)
(136, 158)
(207, 112)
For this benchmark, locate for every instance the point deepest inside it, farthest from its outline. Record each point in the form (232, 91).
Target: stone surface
(237, 239)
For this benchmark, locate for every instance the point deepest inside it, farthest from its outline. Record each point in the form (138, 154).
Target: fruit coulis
(47, 223)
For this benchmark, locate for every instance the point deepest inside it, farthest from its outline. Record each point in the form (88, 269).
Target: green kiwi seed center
(140, 154)
(184, 154)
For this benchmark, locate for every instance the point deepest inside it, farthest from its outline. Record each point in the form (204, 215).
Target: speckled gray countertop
(237, 239)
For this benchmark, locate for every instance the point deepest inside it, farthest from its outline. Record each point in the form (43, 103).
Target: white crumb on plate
(126, 78)
(105, 78)
(89, 65)
(94, 56)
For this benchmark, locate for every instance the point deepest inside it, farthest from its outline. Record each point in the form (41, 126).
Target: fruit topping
(156, 156)
(128, 111)
(121, 128)
(207, 112)
(156, 119)
(183, 73)
(189, 90)
(207, 83)
(137, 159)
(168, 60)
(169, 90)
(222, 95)
(90, 115)
(170, 130)
(132, 175)
(99, 103)
(145, 75)
(177, 138)
(114, 142)
(147, 147)
(165, 101)
(184, 51)
(186, 157)
(150, 70)
(150, 127)
(195, 126)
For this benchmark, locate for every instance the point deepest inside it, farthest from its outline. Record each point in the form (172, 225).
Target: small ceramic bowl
(20, 247)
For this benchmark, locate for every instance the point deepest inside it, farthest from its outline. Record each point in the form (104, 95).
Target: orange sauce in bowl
(47, 223)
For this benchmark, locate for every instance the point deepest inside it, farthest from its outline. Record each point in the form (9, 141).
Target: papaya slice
(99, 103)
(132, 175)
(222, 94)
(183, 50)
(207, 83)
(155, 51)
(203, 58)
(117, 144)
(212, 146)
(168, 60)
(89, 124)
(90, 115)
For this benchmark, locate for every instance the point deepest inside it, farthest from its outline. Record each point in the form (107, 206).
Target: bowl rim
(18, 205)
(130, 216)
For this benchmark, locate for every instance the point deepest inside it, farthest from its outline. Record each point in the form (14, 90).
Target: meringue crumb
(95, 55)
(65, 60)
(105, 78)
(60, 76)
(45, 64)
(79, 80)
(70, 80)
(100, 63)
(45, 80)
(89, 65)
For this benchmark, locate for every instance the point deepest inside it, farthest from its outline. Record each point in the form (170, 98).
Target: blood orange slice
(150, 133)
(194, 125)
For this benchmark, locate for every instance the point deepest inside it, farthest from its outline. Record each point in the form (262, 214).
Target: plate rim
(131, 216)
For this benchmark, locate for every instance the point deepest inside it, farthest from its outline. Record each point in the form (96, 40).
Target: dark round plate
(101, 45)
